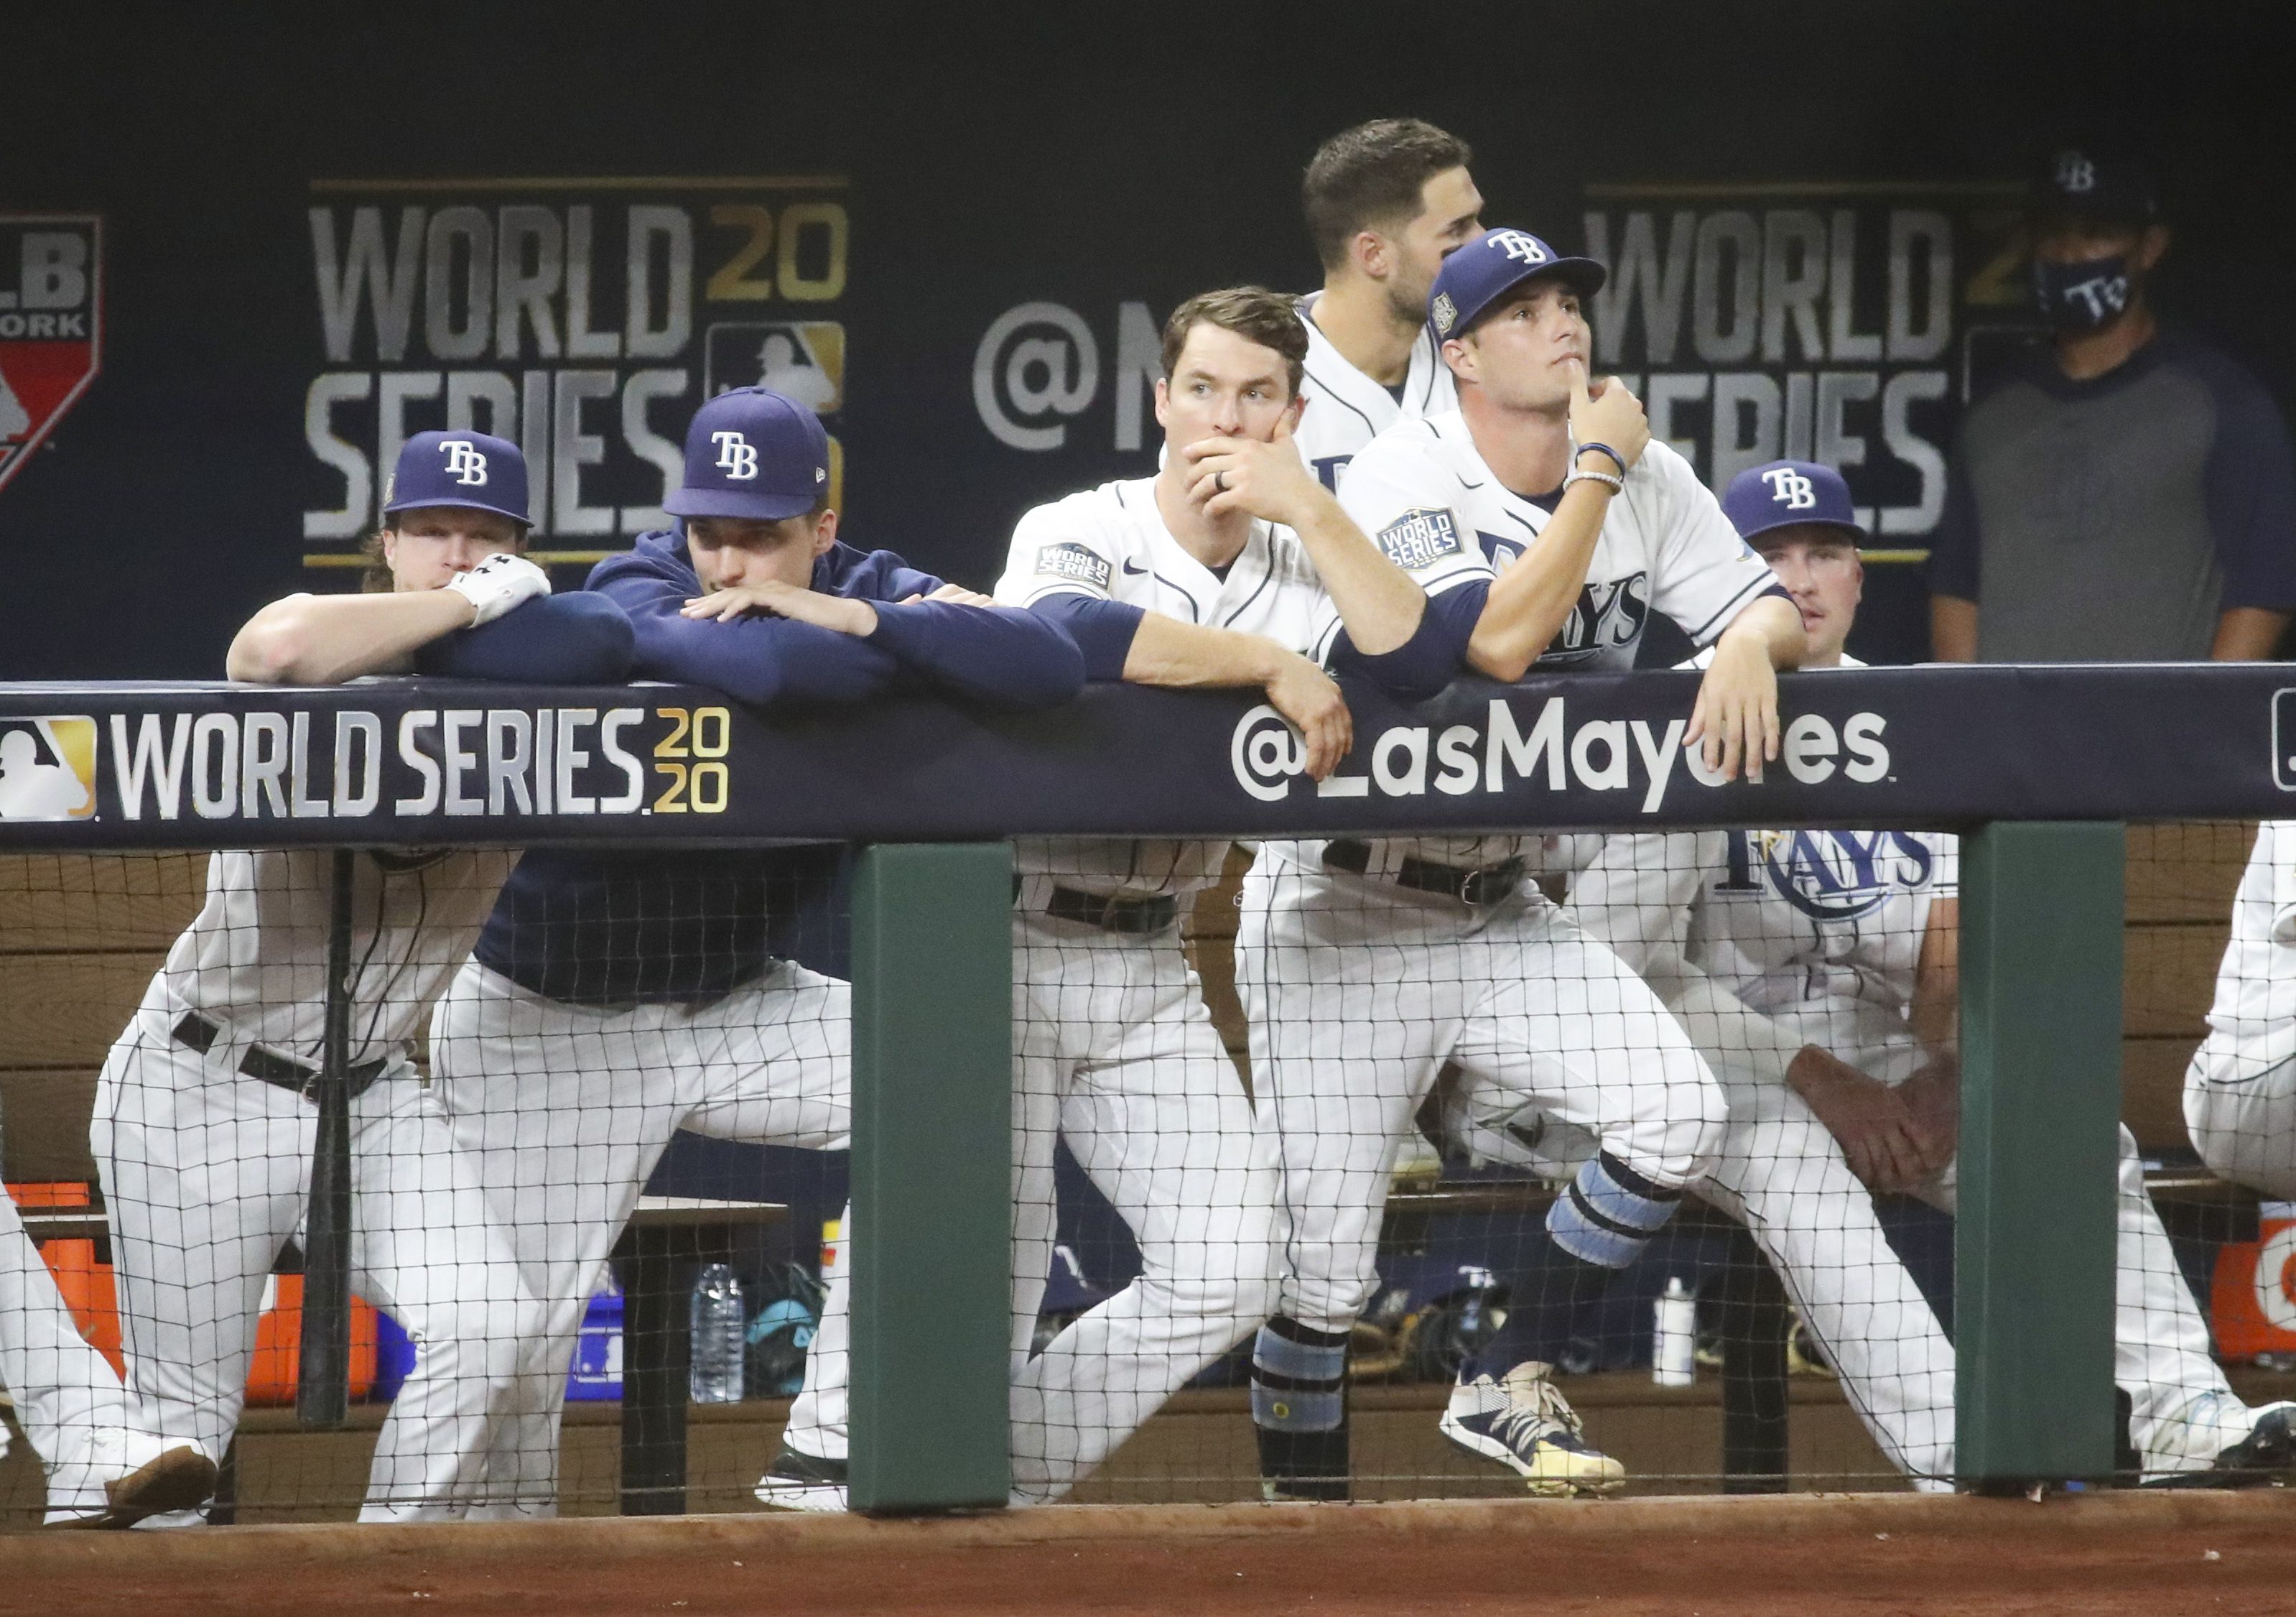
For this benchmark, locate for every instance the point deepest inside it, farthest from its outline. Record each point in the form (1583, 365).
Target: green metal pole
(932, 1154)
(2041, 911)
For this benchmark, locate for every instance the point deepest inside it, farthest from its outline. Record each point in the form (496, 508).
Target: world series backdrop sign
(1841, 323)
(584, 319)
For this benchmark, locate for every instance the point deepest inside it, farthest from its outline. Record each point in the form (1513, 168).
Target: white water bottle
(720, 1337)
(1674, 1336)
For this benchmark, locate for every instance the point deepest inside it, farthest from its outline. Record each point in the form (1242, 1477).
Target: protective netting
(1349, 1170)
(610, 1014)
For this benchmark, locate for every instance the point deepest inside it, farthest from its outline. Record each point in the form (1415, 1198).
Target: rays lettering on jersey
(1828, 876)
(451, 762)
(1610, 612)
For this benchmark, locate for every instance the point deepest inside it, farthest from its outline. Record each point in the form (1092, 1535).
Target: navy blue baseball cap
(474, 470)
(1475, 275)
(753, 453)
(1788, 494)
(2084, 184)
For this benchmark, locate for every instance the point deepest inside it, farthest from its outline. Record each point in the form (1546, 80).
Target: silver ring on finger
(1219, 482)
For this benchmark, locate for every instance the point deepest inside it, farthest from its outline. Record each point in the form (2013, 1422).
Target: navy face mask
(2084, 296)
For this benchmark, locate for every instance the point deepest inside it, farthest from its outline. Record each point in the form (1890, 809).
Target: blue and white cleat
(1525, 1424)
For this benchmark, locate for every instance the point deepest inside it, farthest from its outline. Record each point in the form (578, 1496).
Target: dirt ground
(1773, 1556)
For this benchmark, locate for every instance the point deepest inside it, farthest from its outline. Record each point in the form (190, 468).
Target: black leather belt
(1478, 885)
(1115, 913)
(194, 1031)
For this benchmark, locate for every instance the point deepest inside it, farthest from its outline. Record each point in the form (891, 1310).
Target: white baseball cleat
(802, 1482)
(123, 1479)
(1526, 1424)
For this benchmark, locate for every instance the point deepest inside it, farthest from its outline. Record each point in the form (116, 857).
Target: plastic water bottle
(1674, 1336)
(719, 1332)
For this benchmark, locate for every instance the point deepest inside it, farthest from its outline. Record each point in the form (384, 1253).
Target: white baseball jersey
(1346, 409)
(1824, 924)
(1796, 924)
(1426, 497)
(256, 956)
(2253, 1021)
(1110, 544)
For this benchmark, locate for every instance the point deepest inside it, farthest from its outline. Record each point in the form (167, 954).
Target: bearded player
(204, 1117)
(1384, 202)
(1545, 528)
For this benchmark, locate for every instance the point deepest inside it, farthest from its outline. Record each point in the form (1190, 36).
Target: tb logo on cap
(1522, 247)
(466, 464)
(737, 456)
(1789, 489)
(2075, 173)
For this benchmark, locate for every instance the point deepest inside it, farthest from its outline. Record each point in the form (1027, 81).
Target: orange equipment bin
(2253, 1299)
(87, 1291)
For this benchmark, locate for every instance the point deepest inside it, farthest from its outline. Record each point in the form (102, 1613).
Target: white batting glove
(497, 584)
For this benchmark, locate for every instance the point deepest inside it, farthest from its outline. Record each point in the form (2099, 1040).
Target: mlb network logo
(47, 768)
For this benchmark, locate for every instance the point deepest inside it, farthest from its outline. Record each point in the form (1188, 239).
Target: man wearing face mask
(2127, 495)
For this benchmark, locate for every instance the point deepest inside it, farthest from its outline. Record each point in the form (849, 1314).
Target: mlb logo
(51, 324)
(803, 358)
(47, 768)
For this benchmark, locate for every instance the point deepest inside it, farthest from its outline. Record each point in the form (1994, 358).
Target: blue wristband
(1617, 459)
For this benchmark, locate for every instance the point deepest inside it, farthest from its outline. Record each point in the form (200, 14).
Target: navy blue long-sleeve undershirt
(996, 654)
(1423, 665)
(613, 927)
(571, 639)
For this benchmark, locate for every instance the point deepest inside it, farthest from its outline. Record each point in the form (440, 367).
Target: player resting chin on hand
(1231, 567)
(1544, 528)
(1545, 524)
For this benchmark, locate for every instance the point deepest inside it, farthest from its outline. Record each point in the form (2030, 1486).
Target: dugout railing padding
(2039, 768)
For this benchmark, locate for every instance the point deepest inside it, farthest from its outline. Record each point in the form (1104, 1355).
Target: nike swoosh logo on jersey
(1132, 568)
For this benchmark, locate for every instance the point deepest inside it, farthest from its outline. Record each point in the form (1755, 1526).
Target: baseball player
(101, 1472)
(1384, 201)
(2240, 1091)
(1214, 572)
(204, 1120)
(1545, 528)
(614, 999)
(1211, 573)
(1816, 970)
